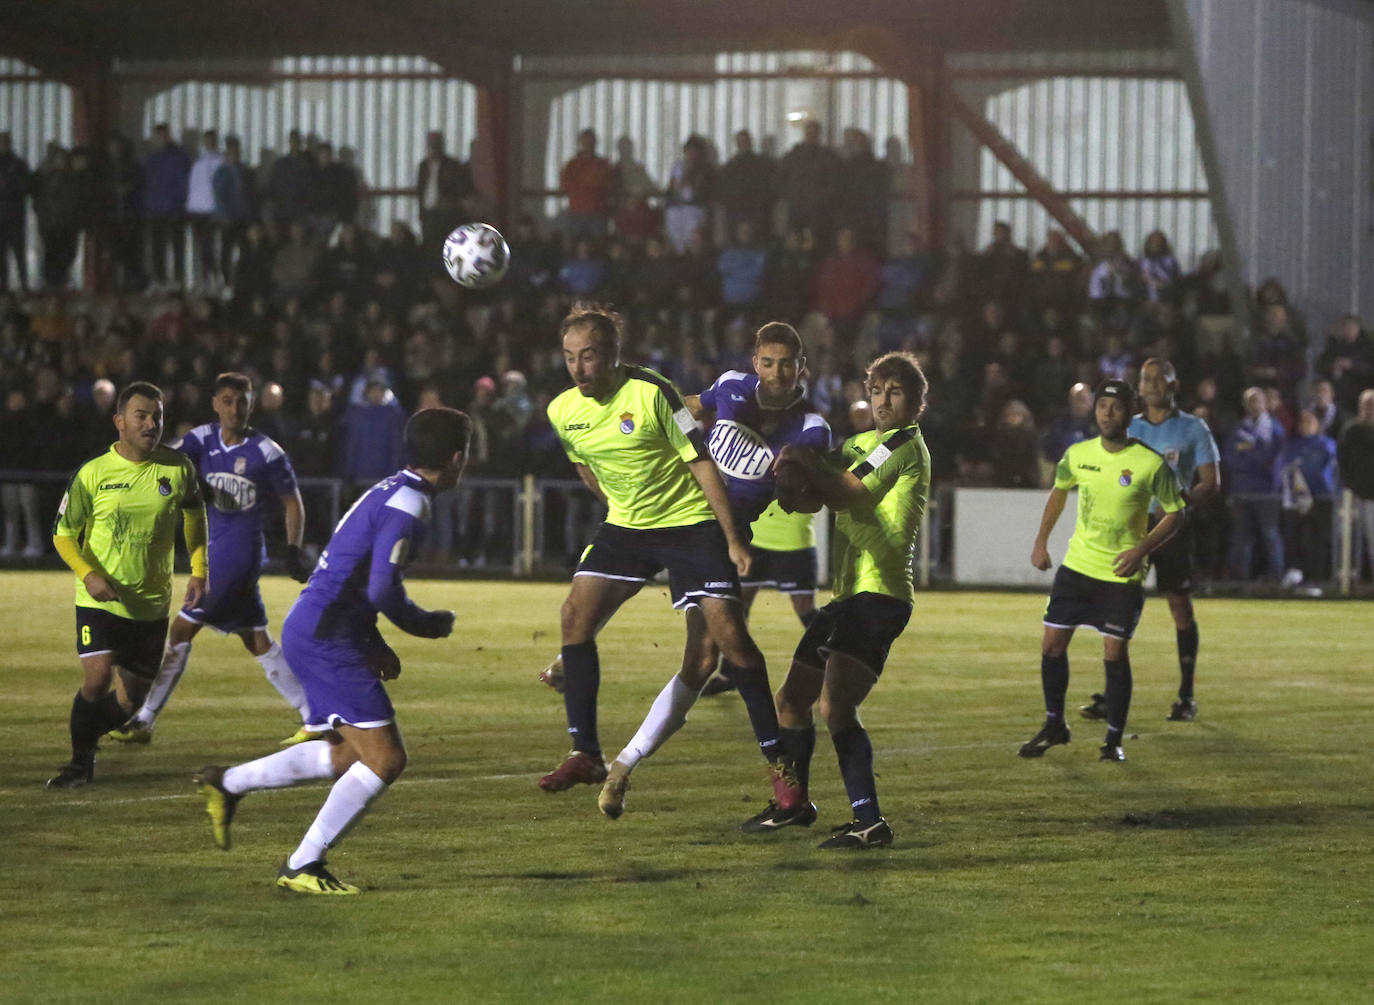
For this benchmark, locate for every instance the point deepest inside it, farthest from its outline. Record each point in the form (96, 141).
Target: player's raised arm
(386, 587)
(1054, 506)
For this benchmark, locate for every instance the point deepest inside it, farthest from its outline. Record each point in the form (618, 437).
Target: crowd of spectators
(345, 330)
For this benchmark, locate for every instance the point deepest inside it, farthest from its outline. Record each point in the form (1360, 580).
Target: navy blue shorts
(1079, 601)
(1173, 560)
(789, 571)
(237, 607)
(135, 646)
(862, 627)
(337, 674)
(696, 557)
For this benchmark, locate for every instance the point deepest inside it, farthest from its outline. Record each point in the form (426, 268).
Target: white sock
(281, 677)
(348, 801)
(666, 716)
(173, 665)
(310, 761)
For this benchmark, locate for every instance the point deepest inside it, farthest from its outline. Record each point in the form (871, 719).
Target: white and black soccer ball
(476, 255)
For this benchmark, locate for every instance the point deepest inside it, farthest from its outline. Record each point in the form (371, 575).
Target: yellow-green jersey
(1114, 493)
(874, 541)
(778, 530)
(638, 443)
(124, 516)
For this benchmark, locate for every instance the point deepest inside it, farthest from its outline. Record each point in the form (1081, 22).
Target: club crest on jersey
(240, 465)
(1125, 479)
(627, 422)
(164, 486)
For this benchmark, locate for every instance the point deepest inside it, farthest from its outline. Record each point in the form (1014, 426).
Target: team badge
(240, 465)
(164, 485)
(627, 422)
(1125, 479)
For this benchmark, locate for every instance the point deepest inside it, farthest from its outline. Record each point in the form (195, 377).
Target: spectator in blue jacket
(233, 187)
(1251, 458)
(742, 267)
(584, 274)
(166, 174)
(373, 429)
(1307, 474)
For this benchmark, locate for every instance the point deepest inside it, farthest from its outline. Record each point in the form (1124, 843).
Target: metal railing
(538, 527)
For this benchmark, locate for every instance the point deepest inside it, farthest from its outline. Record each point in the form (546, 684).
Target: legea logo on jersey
(231, 493)
(627, 422)
(739, 451)
(1125, 479)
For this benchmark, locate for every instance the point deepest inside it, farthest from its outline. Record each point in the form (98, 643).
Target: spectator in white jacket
(200, 205)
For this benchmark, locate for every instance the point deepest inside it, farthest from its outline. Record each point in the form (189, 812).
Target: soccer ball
(476, 255)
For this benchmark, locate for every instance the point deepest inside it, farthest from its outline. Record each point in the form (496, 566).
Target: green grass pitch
(1227, 859)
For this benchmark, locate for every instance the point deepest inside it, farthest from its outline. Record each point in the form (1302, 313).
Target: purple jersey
(360, 571)
(746, 437)
(237, 481)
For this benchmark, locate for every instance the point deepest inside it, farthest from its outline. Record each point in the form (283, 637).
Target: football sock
(799, 745)
(752, 683)
(1054, 681)
(666, 716)
(581, 680)
(174, 659)
(809, 617)
(85, 728)
(1118, 698)
(856, 765)
(281, 677)
(1187, 660)
(348, 800)
(727, 670)
(111, 714)
(305, 762)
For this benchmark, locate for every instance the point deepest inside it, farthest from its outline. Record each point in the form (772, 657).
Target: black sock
(856, 765)
(111, 714)
(809, 617)
(758, 700)
(1118, 698)
(581, 681)
(799, 745)
(727, 670)
(85, 729)
(1187, 660)
(1054, 681)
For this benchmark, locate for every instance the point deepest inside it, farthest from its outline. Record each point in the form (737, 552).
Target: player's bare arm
(708, 477)
(839, 489)
(1207, 485)
(699, 411)
(1130, 560)
(1054, 507)
(589, 479)
(293, 513)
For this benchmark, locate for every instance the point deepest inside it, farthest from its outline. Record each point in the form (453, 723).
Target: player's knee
(575, 623)
(838, 715)
(391, 765)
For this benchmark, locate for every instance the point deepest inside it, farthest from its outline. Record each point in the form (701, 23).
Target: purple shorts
(236, 608)
(337, 675)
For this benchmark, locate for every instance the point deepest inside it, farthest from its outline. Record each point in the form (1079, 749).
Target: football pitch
(1227, 859)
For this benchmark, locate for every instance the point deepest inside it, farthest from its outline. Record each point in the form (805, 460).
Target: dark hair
(904, 368)
(603, 321)
(433, 435)
(238, 381)
(140, 388)
(778, 333)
